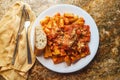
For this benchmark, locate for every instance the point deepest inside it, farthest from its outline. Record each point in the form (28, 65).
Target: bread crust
(38, 52)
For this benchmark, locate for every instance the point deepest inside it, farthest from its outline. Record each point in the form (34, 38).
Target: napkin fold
(9, 26)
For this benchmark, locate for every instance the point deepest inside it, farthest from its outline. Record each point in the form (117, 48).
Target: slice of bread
(40, 40)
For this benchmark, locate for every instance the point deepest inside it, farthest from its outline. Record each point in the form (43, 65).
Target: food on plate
(67, 37)
(40, 40)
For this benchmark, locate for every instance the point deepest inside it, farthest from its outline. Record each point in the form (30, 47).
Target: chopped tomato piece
(78, 32)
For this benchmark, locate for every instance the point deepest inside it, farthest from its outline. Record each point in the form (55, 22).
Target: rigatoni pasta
(68, 37)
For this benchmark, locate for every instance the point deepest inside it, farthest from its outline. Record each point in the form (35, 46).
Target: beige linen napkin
(9, 26)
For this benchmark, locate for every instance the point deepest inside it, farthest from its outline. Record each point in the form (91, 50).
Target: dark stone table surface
(106, 63)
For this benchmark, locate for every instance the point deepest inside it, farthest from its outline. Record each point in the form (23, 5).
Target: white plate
(94, 42)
